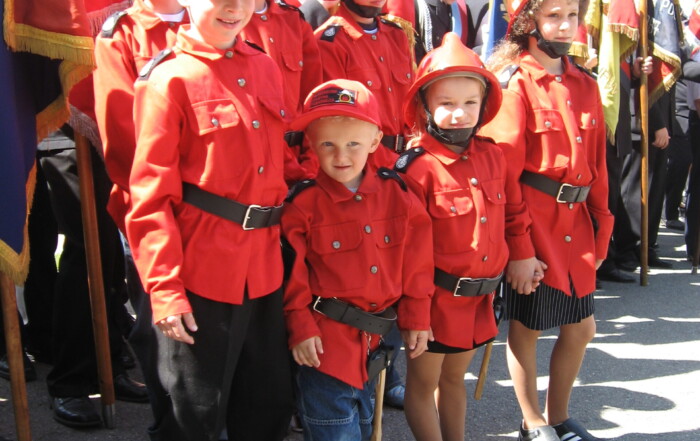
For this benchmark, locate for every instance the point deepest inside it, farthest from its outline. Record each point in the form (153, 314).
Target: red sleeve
(156, 186)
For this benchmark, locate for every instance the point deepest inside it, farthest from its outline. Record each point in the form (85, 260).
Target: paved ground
(640, 380)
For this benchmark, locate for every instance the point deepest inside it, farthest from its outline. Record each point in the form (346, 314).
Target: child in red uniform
(207, 187)
(551, 130)
(356, 44)
(461, 180)
(362, 243)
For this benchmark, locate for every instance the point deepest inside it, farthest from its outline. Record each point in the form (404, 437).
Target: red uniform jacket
(137, 38)
(289, 40)
(212, 118)
(553, 125)
(466, 196)
(369, 249)
(380, 61)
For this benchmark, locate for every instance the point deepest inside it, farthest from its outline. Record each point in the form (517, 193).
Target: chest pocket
(401, 73)
(293, 61)
(369, 77)
(589, 121)
(390, 233)
(545, 120)
(336, 267)
(453, 215)
(448, 204)
(495, 209)
(213, 115)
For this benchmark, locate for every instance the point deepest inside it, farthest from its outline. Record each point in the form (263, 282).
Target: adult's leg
(522, 364)
(679, 159)
(452, 395)
(564, 365)
(422, 380)
(692, 224)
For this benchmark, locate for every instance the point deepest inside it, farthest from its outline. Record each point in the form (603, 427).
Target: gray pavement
(640, 379)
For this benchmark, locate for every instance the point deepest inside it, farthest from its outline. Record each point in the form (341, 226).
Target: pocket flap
(450, 203)
(390, 232)
(494, 191)
(292, 61)
(545, 120)
(214, 115)
(337, 238)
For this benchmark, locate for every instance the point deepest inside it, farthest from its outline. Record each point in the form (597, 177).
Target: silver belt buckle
(459, 285)
(246, 218)
(561, 193)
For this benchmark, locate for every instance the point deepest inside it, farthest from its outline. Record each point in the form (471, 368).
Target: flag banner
(665, 34)
(497, 25)
(579, 48)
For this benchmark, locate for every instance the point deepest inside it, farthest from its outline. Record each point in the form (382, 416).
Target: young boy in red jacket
(206, 190)
(362, 244)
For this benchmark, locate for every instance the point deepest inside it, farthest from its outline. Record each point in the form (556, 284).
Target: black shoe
(675, 224)
(29, 369)
(628, 261)
(544, 433)
(75, 412)
(656, 262)
(394, 397)
(126, 389)
(573, 430)
(614, 275)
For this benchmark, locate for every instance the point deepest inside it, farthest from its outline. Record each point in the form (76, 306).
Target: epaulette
(255, 46)
(110, 24)
(155, 61)
(298, 188)
(406, 158)
(506, 74)
(387, 173)
(330, 32)
(390, 23)
(586, 71)
(285, 5)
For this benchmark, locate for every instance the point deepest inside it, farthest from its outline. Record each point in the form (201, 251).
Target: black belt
(563, 193)
(248, 216)
(357, 318)
(465, 286)
(394, 142)
(294, 139)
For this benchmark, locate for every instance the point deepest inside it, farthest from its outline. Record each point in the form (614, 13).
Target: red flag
(665, 33)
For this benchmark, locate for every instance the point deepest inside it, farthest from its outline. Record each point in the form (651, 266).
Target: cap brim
(303, 121)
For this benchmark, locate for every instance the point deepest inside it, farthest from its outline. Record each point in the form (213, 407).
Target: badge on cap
(333, 95)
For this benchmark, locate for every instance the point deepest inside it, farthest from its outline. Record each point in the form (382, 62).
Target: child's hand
(172, 327)
(598, 263)
(525, 275)
(416, 341)
(306, 352)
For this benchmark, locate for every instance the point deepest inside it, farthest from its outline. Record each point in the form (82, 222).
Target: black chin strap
(362, 11)
(553, 49)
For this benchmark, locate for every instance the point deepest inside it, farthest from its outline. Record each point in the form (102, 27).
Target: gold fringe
(580, 50)
(626, 30)
(16, 266)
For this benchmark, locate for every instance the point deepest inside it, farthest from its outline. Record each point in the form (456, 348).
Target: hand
(416, 341)
(598, 262)
(172, 327)
(642, 65)
(525, 275)
(306, 352)
(661, 138)
(592, 60)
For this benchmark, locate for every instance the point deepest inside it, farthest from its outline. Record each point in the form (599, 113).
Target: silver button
(408, 75)
(453, 209)
(579, 139)
(548, 124)
(381, 59)
(557, 79)
(571, 206)
(215, 122)
(499, 196)
(263, 17)
(593, 121)
(387, 239)
(336, 244)
(282, 113)
(567, 238)
(256, 124)
(369, 83)
(301, 63)
(483, 219)
(373, 306)
(241, 82)
(228, 54)
(485, 258)
(358, 197)
(578, 176)
(373, 269)
(474, 181)
(272, 40)
(390, 90)
(374, 37)
(368, 229)
(568, 102)
(171, 24)
(464, 157)
(261, 169)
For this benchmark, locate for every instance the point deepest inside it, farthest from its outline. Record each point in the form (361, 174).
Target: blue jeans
(333, 410)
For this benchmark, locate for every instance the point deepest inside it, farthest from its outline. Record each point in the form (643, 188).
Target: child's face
(218, 22)
(342, 145)
(455, 102)
(557, 20)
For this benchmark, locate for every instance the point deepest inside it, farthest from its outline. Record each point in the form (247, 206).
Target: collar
(535, 69)
(340, 193)
(203, 50)
(147, 17)
(439, 151)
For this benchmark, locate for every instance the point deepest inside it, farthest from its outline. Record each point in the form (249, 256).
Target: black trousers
(614, 168)
(692, 211)
(236, 375)
(679, 159)
(74, 372)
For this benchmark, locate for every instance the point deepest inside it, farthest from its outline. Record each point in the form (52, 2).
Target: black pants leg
(692, 213)
(679, 159)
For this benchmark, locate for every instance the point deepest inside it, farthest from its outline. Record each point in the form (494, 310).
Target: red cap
(452, 58)
(339, 98)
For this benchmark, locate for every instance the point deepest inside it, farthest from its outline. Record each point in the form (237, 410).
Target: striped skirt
(547, 307)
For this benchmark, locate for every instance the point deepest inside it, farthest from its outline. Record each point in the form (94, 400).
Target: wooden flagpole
(644, 120)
